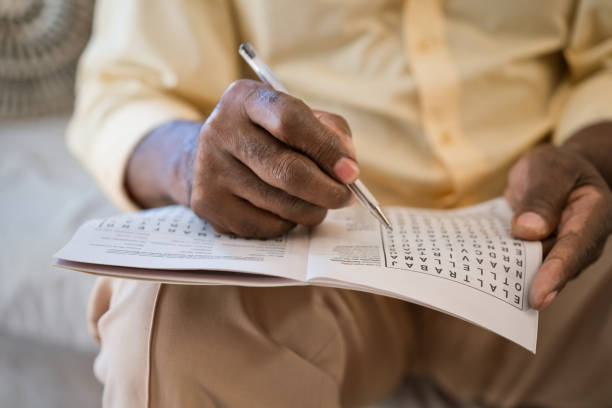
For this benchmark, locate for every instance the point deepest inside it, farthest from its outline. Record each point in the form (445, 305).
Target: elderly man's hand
(560, 194)
(265, 162)
(261, 163)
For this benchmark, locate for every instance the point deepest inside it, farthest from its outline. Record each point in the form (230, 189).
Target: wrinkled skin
(560, 195)
(272, 158)
(261, 163)
(264, 161)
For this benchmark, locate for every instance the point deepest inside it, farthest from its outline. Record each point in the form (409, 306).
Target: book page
(175, 276)
(173, 238)
(463, 262)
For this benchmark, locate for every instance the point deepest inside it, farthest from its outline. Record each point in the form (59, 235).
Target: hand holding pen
(263, 71)
(262, 162)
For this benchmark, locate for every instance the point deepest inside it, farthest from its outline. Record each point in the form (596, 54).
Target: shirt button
(424, 45)
(445, 137)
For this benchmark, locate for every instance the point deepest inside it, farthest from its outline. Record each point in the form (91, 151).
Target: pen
(263, 71)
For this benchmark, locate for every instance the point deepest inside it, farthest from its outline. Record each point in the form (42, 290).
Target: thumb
(538, 200)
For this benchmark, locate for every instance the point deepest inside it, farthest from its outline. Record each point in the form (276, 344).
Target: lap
(304, 346)
(291, 346)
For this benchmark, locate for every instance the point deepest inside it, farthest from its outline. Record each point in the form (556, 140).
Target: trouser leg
(268, 347)
(275, 347)
(121, 315)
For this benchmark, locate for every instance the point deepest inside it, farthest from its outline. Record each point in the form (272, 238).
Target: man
(437, 100)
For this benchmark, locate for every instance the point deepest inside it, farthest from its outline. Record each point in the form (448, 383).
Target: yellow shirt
(442, 96)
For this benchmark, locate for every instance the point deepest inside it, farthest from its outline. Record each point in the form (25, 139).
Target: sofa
(46, 353)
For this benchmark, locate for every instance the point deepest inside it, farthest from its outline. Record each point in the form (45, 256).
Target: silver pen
(263, 71)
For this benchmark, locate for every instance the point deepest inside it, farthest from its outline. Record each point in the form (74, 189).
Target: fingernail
(533, 222)
(548, 299)
(346, 170)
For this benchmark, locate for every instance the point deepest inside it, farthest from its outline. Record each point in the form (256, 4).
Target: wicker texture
(40, 43)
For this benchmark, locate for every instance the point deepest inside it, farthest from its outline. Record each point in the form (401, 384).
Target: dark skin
(264, 162)
(274, 163)
(562, 195)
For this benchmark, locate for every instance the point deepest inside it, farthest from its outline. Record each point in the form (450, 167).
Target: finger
(220, 229)
(283, 168)
(252, 189)
(339, 125)
(538, 203)
(253, 222)
(243, 219)
(582, 231)
(547, 245)
(228, 213)
(289, 120)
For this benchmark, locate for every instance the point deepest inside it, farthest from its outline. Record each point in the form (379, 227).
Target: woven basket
(40, 43)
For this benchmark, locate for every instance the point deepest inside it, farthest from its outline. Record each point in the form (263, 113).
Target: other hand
(557, 193)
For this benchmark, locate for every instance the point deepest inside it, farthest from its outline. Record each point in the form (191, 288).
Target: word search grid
(476, 250)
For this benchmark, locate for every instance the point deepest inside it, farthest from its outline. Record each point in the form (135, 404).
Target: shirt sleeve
(589, 58)
(148, 62)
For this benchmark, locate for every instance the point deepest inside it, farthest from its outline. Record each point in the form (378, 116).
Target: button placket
(437, 83)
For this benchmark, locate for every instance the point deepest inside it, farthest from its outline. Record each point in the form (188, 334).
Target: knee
(309, 344)
(209, 319)
(223, 345)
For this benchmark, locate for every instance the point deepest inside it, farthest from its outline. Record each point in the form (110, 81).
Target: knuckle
(240, 86)
(340, 123)
(261, 95)
(267, 95)
(328, 152)
(343, 122)
(289, 170)
(290, 117)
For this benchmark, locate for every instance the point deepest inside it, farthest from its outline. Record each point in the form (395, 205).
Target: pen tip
(384, 219)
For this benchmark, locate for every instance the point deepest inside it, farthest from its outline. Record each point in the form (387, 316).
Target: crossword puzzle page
(174, 238)
(465, 262)
(467, 249)
(462, 262)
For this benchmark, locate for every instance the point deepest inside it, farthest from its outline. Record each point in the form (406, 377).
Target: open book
(462, 262)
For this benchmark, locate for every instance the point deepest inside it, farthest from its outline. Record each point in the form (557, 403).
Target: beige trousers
(203, 346)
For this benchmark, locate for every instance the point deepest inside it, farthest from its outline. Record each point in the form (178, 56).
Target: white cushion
(45, 196)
